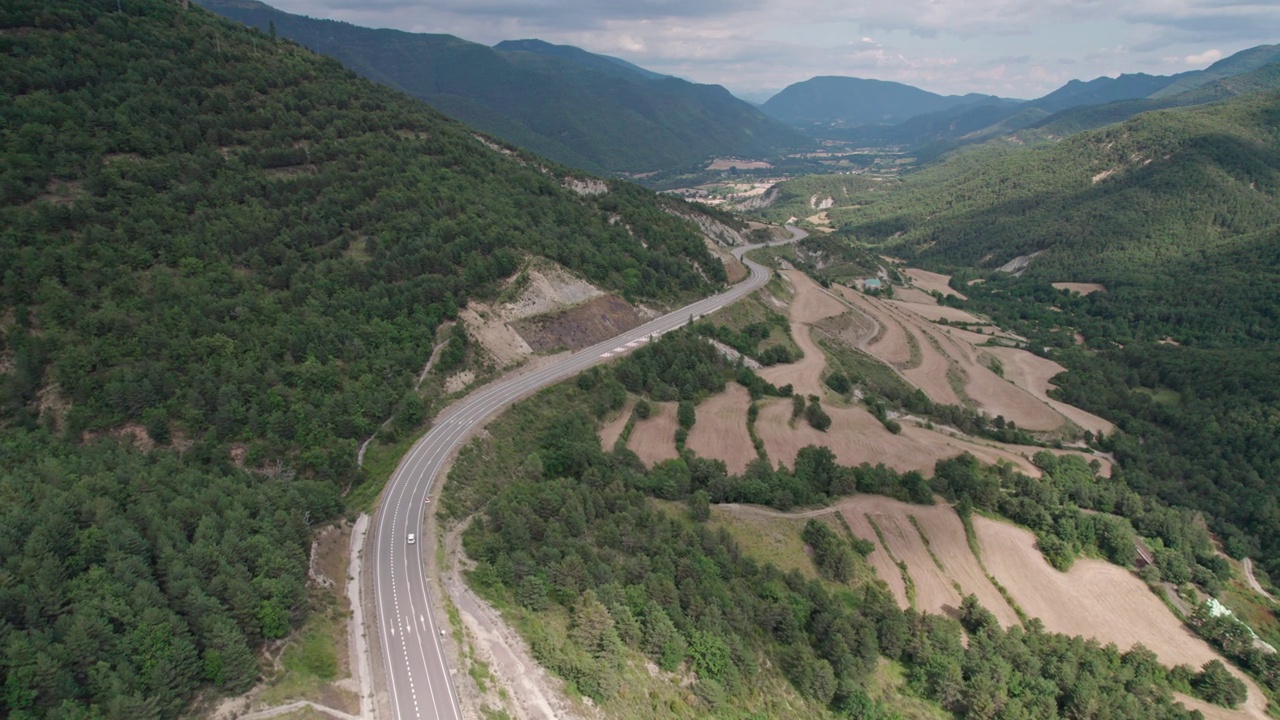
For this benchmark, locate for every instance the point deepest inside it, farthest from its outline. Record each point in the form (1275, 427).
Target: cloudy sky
(1013, 48)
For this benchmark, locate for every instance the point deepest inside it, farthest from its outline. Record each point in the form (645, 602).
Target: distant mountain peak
(576, 55)
(851, 101)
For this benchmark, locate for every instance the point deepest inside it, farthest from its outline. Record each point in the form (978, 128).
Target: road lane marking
(442, 440)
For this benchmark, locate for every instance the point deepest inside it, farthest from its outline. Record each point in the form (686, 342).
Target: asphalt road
(417, 679)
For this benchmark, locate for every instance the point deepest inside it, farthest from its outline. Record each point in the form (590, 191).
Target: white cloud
(1208, 57)
(950, 46)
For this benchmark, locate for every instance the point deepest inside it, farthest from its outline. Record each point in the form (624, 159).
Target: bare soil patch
(495, 335)
(727, 163)
(933, 312)
(654, 439)
(853, 329)
(932, 373)
(1095, 599)
(1082, 288)
(890, 343)
(1211, 711)
(930, 281)
(856, 436)
(1032, 373)
(945, 350)
(721, 430)
(580, 326)
(935, 587)
(914, 295)
(885, 567)
(997, 396)
(612, 430)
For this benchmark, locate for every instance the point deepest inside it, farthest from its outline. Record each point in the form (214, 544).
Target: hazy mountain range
(586, 110)
(605, 114)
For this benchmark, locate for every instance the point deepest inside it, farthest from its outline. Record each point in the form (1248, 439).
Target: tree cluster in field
(581, 540)
(747, 341)
(682, 366)
(832, 553)
(221, 243)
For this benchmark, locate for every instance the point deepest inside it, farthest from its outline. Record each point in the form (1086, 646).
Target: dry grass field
(1032, 373)
(935, 587)
(721, 430)
(932, 312)
(654, 439)
(914, 295)
(809, 305)
(612, 430)
(931, 281)
(1095, 599)
(1082, 288)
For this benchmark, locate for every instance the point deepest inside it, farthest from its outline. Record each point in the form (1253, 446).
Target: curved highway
(417, 678)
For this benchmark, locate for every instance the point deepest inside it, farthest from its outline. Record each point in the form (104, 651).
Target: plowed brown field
(934, 313)
(1032, 372)
(1082, 288)
(930, 281)
(721, 430)
(1095, 599)
(855, 436)
(809, 305)
(654, 439)
(612, 430)
(914, 295)
(935, 587)
(886, 569)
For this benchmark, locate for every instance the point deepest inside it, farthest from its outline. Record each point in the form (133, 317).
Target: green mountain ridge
(1236, 64)
(1095, 102)
(848, 101)
(1076, 120)
(536, 47)
(555, 102)
(238, 253)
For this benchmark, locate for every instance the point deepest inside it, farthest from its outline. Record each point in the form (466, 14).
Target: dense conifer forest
(234, 251)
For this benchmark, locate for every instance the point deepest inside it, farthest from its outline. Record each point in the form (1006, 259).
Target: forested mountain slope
(849, 101)
(581, 114)
(1078, 105)
(1115, 205)
(533, 48)
(235, 251)
(1236, 64)
(1090, 117)
(1175, 213)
